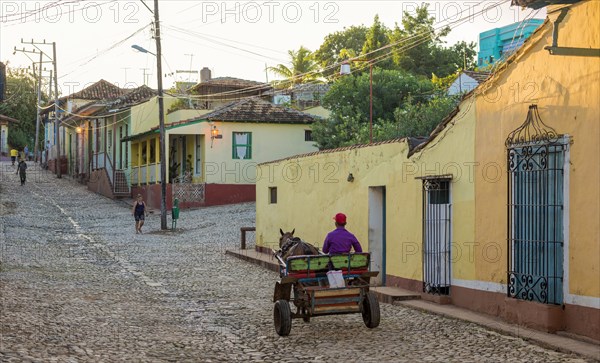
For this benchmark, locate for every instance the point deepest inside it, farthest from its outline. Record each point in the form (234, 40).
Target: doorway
(377, 227)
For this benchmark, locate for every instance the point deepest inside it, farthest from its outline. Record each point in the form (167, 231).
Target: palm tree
(303, 69)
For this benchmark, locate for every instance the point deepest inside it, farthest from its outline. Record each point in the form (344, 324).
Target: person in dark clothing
(139, 213)
(21, 170)
(340, 240)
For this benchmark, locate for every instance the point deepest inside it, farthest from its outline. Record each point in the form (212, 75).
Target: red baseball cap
(340, 218)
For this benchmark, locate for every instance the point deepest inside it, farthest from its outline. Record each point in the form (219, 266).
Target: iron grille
(535, 215)
(436, 236)
(536, 158)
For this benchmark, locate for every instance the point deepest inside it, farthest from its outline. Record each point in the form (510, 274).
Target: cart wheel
(370, 311)
(282, 316)
(305, 318)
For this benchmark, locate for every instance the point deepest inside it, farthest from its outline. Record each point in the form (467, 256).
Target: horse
(294, 246)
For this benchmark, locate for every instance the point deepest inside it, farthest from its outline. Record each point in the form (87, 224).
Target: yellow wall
(145, 115)
(319, 111)
(311, 190)
(269, 142)
(567, 92)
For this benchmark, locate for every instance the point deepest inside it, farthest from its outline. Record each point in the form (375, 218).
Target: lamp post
(344, 70)
(161, 120)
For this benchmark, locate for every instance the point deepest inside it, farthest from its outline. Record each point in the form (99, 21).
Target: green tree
(348, 101)
(303, 69)
(378, 36)
(20, 104)
(419, 48)
(421, 118)
(336, 45)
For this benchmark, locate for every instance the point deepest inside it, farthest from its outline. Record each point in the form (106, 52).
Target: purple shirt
(340, 241)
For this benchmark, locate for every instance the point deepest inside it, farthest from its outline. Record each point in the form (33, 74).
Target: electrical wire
(106, 50)
(417, 39)
(424, 37)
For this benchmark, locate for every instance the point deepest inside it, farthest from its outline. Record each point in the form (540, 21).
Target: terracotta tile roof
(478, 76)
(231, 82)
(100, 90)
(257, 110)
(133, 97)
(412, 142)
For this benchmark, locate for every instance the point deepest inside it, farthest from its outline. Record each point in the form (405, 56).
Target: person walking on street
(340, 240)
(26, 152)
(139, 213)
(21, 170)
(13, 155)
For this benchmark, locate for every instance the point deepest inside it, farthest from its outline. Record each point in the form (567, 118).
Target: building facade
(495, 211)
(499, 43)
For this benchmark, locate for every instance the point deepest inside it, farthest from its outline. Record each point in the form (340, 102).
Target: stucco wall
(311, 190)
(567, 92)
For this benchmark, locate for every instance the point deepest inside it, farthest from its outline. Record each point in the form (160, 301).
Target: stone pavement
(78, 285)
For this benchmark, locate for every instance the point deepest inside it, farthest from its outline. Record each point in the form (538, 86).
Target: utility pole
(56, 116)
(38, 86)
(38, 115)
(161, 121)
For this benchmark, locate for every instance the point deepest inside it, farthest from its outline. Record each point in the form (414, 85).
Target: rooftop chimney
(205, 74)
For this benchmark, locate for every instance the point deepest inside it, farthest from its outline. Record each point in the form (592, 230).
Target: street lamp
(161, 123)
(344, 70)
(141, 49)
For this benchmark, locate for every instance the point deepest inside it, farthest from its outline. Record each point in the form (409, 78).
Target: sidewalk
(401, 297)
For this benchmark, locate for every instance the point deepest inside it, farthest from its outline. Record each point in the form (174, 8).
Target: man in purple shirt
(340, 240)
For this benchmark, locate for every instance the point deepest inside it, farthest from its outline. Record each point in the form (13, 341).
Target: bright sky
(232, 38)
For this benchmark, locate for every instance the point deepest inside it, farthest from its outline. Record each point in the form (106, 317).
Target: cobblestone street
(77, 284)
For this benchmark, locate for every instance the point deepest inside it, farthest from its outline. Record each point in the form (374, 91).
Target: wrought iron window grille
(532, 131)
(536, 161)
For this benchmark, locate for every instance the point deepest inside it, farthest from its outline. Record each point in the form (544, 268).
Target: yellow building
(497, 211)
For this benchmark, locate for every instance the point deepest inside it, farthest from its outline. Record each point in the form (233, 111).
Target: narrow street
(77, 285)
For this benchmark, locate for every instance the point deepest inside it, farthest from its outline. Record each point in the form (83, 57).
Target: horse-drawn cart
(305, 283)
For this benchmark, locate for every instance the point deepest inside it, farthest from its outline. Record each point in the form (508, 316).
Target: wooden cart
(304, 283)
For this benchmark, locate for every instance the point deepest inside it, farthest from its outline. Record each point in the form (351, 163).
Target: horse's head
(285, 236)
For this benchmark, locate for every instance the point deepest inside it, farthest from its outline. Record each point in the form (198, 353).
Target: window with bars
(436, 236)
(308, 135)
(536, 241)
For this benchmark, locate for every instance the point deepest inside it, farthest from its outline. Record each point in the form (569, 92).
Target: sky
(232, 38)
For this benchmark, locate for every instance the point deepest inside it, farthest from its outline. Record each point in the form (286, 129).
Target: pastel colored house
(497, 211)
(5, 123)
(499, 43)
(94, 150)
(212, 157)
(83, 103)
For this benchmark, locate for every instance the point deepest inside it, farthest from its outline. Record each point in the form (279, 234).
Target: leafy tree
(443, 83)
(377, 37)
(303, 68)
(348, 101)
(421, 118)
(20, 104)
(337, 45)
(419, 46)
